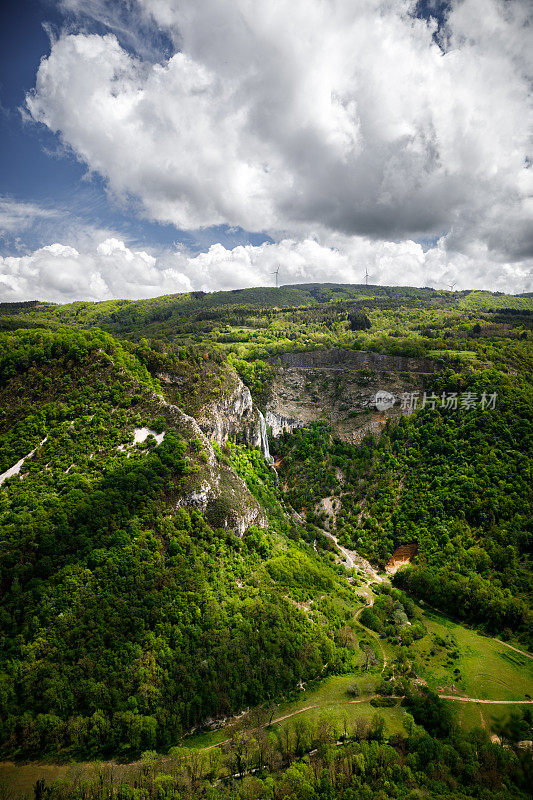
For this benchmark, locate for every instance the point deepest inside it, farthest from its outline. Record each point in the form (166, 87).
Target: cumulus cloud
(61, 273)
(310, 118)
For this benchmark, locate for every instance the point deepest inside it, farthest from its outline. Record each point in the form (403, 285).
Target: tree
(359, 321)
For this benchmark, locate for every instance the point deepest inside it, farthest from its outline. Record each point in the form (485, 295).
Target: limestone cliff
(233, 415)
(340, 386)
(212, 487)
(222, 412)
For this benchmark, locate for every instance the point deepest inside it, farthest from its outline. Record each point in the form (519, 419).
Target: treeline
(322, 760)
(470, 598)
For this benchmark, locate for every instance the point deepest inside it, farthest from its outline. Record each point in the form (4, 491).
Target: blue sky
(36, 168)
(151, 146)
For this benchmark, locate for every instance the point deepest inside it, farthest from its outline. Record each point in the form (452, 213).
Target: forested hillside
(127, 619)
(166, 562)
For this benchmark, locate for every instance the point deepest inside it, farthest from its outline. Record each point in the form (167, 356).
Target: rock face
(402, 556)
(352, 360)
(233, 415)
(279, 424)
(355, 392)
(213, 487)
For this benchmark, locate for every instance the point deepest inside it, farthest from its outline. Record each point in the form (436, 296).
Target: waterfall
(264, 439)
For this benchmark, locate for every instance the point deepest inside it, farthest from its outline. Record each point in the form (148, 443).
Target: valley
(228, 568)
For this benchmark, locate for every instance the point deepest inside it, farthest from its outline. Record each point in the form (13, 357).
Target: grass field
(17, 781)
(454, 656)
(329, 699)
(470, 715)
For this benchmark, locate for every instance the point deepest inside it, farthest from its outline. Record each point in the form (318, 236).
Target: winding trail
(352, 560)
(454, 698)
(355, 561)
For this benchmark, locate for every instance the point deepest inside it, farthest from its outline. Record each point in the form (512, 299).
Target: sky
(157, 146)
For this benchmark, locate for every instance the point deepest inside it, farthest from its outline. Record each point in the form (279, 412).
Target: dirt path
(400, 697)
(288, 716)
(452, 697)
(486, 702)
(511, 647)
(354, 561)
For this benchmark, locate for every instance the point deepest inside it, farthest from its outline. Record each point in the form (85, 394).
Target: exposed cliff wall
(340, 386)
(279, 424)
(352, 360)
(233, 415)
(229, 412)
(213, 487)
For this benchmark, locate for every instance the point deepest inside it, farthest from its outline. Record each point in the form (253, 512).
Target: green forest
(160, 578)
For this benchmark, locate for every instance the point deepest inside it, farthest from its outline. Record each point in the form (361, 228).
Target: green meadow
(451, 655)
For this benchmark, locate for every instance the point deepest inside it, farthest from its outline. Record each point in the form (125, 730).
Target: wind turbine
(452, 285)
(367, 276)
(276, 273)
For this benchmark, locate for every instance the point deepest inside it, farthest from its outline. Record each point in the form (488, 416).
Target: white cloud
(61, 273)
(304, 117)
(17, 216)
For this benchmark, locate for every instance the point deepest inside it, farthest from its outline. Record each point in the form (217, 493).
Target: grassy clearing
(329, 699)
(477, 666)
(487, 670)
(18, 780)
(332, 701)
(470, 715)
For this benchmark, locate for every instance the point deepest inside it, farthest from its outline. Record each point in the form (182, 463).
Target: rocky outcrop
(402, 557)
(352, 360)
(212, 487)
(355, 392)
(278, 424)
(232, 416)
